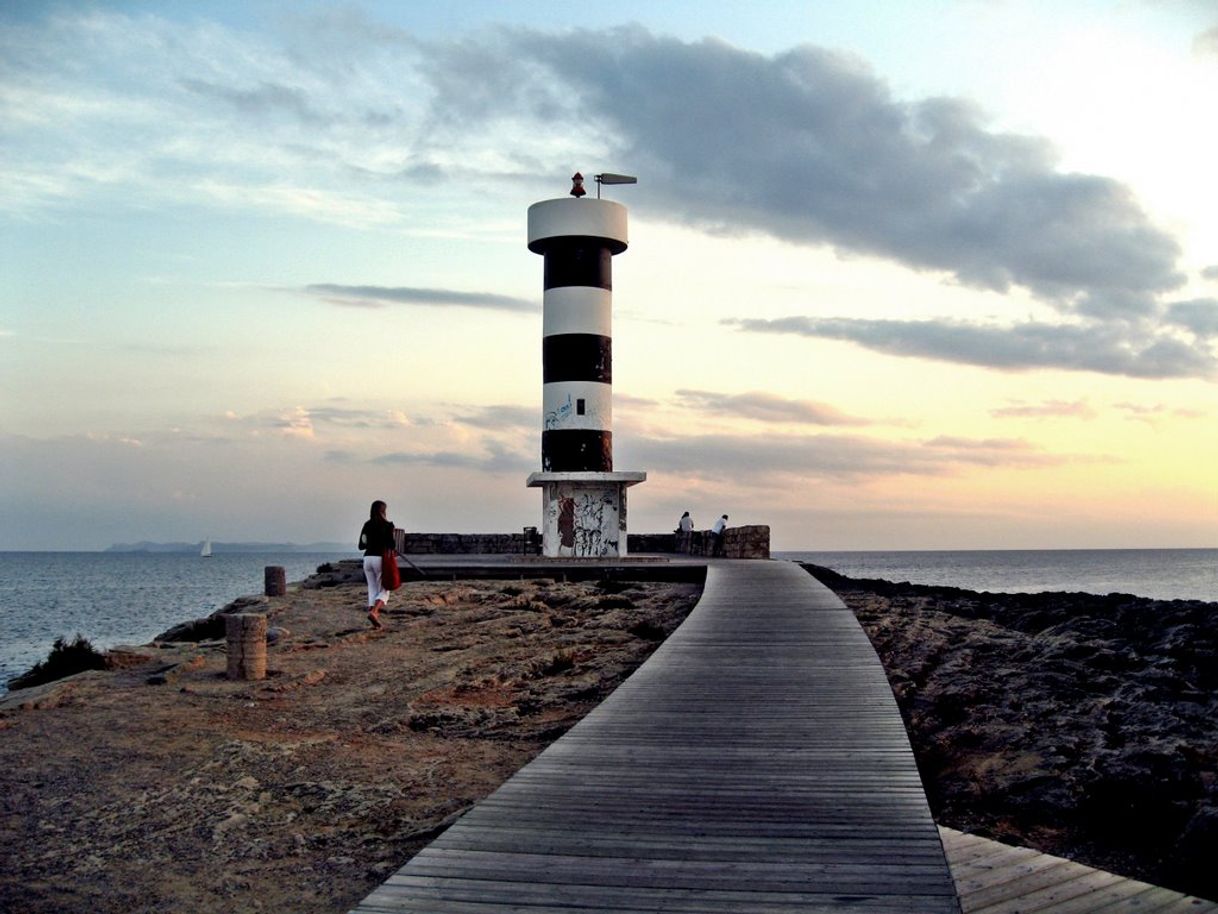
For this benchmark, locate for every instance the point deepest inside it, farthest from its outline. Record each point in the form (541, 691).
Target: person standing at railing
(685, 533)
(716, 532)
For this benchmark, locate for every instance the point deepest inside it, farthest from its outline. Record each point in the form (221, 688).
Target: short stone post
(246, 645)
(276, 581)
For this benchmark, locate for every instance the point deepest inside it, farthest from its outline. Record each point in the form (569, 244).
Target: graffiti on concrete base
(586, 522)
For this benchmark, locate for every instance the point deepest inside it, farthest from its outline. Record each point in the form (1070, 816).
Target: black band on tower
(578, 261)
(577, 357)
(577, 450)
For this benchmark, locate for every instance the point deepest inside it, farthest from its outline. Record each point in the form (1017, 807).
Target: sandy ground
(164, 786)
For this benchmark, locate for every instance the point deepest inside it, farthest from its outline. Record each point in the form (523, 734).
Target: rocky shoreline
(158, 784)
(1084, 726)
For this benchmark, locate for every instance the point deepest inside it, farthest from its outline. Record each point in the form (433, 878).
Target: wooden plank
(426, 894)
(994, 878)
(756, 763)
(1156, 900)
(1078, 883)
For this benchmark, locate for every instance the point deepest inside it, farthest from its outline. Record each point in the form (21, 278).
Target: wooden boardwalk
(756, 763)
(995, 878)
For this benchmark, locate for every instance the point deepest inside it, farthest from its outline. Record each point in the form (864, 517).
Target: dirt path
(303, 792)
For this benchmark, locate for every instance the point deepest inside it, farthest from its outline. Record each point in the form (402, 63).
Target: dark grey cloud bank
(1110, 348)
(1199, 316)
(381, 296)
(810, 146)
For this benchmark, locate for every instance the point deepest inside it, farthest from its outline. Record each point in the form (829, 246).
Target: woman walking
(375, 537)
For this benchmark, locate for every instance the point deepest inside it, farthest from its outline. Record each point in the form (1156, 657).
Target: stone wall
(748, 542)
(464, 544)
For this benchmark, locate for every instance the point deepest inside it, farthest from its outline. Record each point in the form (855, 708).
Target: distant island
(217, 547)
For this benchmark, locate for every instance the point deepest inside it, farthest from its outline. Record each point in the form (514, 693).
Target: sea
(122, 597)
(1160, 574)
(129, 597)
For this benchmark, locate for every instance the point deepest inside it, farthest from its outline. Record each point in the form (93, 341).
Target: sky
(931, 275)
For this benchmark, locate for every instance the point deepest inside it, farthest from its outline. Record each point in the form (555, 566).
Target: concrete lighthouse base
(584, 513)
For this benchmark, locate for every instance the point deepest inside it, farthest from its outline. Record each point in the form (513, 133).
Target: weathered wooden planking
(994, 878)
(756, 763)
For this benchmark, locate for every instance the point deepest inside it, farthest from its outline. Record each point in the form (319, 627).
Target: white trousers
(372, 571)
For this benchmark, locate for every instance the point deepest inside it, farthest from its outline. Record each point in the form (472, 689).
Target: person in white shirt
(685, 533)
(717, 536)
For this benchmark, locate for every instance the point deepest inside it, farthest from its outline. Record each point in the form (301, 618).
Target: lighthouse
(583, 498)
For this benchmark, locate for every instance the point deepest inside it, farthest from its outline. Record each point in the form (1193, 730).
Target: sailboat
(205, 552)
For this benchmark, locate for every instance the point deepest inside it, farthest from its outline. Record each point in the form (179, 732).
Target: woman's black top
(376, 537)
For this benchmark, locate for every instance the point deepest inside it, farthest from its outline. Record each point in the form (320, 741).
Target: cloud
(631, 402)
(1207, 42)
(380, 296)
(779, 459)
(308, 421)
(295, 423)
(1048, 409)
(298, 111)
(160, 348)
(766, 407)
(339, 207)
(1199, 316)
(498, 459)
(1210, 272)
(821, 153)
(1151, 414)
(503, 417)
(989, 451)
(358, 418)
(262, 100)
(1106, 348)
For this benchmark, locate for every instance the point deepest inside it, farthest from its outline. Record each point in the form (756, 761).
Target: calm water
(128, 598)
(120, 597)
(1162, 574)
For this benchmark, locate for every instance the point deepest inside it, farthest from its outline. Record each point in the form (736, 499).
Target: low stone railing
(747, 542)
(463, 544)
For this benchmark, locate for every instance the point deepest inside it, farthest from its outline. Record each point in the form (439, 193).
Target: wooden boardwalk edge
(995, 878)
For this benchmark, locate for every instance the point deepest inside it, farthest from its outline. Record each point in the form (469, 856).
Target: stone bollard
(246, 645)
(276, 581)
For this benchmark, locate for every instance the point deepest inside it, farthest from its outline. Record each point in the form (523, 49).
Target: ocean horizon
(116, 598)
(1157, 574)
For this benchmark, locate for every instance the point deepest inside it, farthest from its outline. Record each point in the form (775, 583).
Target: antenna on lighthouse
(609, 178)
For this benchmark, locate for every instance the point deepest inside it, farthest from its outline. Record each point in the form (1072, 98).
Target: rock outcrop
(1083, 725)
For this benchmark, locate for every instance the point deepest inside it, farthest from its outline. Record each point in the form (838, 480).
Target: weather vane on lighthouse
(583, 499)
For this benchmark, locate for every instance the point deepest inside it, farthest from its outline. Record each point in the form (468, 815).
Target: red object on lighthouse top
(577, 185)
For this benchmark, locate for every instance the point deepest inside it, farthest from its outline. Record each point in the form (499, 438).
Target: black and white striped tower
(583, 499)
